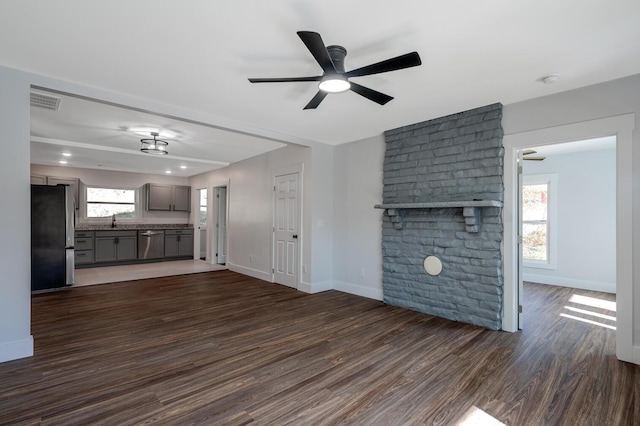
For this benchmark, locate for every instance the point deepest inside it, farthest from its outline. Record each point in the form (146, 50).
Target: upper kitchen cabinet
(52, 180)
(38, 180)
(163, 197)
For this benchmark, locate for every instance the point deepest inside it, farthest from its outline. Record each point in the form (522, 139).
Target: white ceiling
(597, 144)
(198, 55)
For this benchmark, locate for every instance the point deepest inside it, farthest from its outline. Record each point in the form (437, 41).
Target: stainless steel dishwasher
(150, 244)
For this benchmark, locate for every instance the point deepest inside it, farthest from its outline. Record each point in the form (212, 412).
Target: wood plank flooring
(219, 348)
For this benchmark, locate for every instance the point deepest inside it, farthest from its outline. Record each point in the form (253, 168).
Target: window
(203, 207)
(538, 213)
(106, 202)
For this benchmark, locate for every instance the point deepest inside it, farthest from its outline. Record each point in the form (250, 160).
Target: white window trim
(552, 219)
(96, 220)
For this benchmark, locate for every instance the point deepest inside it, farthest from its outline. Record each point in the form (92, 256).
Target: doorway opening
(200, 236)
(220, 219)
(622, 128)
(567, 224)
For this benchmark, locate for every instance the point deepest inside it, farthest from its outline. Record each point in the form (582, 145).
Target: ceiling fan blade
(316, 46)
(370, 94)
(534, 158)
(399, 62)
(529, 152)
(284, 79)
(313, 103)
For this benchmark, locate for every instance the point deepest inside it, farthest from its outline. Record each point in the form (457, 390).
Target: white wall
(120, 179)
(586, 220)
(250, 208)
(357, 246)
(15, 222)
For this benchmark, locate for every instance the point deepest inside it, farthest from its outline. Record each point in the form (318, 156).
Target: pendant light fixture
(154, 146)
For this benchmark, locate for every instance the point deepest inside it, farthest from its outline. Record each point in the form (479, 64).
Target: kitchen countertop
(129, 227)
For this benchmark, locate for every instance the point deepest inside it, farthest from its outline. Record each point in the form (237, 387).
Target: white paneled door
(286, 228)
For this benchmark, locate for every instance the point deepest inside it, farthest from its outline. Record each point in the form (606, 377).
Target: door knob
(295, 236)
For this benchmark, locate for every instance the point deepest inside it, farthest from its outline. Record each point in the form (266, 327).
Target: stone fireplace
(442, 228)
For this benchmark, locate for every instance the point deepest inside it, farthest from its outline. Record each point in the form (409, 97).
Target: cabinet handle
(117, 241)
(81, 254)
(81, 241)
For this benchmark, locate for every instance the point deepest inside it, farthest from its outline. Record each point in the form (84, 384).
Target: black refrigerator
(52, 237)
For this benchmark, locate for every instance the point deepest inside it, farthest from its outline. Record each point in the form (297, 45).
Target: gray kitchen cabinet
(74, 183)
(178, 243)
(113, 246)
(181, 198)
(163, 197)
(83, 252)
(38, 180)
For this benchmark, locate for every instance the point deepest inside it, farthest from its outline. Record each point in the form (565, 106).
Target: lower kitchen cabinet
(83, 252)
(112, 246)
(178, 242)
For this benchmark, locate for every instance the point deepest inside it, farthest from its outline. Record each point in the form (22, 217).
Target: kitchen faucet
(113, 221)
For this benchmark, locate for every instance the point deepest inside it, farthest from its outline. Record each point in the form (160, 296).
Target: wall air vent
(42, 100)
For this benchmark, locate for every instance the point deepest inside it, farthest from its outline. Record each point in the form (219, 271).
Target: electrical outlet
(362, 272)
(304, 269)
(250, 258)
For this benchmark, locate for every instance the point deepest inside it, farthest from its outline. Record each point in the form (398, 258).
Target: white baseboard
(261, 275)
(16, 350)
(570, 282)
(358, 290)
(636, 355)
(315, 287)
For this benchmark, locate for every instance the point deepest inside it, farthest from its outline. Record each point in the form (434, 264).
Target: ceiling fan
(529, 152)
(334, 79)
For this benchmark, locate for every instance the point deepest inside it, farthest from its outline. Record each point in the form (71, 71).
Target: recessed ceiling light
(62, 161)
(168, 172)
(66, 154)
(183, 167)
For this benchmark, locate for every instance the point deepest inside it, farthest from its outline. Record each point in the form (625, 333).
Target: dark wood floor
(222, 348)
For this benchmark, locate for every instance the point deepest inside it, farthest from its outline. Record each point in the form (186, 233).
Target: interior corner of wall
(317, 287)
(16, 350)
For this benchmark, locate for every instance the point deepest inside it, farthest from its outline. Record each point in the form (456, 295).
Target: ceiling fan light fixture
(334, 84)
(154, 146)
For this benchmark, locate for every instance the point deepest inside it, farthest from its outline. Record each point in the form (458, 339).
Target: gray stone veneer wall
(453, 158)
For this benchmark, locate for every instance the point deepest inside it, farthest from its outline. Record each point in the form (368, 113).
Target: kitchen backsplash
(131, 226)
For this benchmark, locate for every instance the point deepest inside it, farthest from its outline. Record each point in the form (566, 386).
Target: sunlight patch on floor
(589, 316)
(476, 417)
(593, 302)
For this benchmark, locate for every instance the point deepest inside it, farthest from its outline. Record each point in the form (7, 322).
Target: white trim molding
(16, 350)
(359, 290)
(312, 288)
(255, 273)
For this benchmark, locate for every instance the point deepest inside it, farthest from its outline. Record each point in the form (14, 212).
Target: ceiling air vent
(45, 101)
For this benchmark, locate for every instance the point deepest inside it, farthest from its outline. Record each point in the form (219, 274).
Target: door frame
(296, 168)
(214, 229)
(622, 127)
(196, 226)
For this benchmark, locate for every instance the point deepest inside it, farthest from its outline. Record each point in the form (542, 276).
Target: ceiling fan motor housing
(337, 55)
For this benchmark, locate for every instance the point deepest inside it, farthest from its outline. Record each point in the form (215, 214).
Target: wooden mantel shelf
(470, 210)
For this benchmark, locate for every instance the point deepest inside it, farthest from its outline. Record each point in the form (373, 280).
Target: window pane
(534, 202)
(203, 197)
(111, 195)
(535, 241)
(107, 210)
(203, 216)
